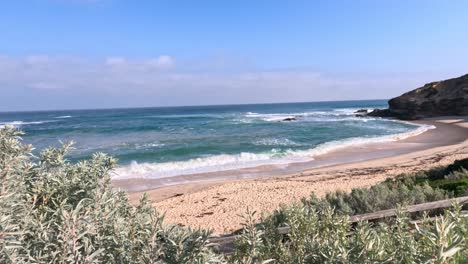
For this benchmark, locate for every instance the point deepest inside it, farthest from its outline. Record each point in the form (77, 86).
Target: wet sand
(215, 200)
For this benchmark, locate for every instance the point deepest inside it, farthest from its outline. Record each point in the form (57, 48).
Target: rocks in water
(287, 119)
(443, 98)
(361, 113)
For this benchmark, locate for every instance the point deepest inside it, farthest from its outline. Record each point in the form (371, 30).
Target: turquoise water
(162, 142)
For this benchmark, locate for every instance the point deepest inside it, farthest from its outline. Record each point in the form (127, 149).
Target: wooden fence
(226, 243)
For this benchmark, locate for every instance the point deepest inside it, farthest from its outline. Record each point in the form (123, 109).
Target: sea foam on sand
(246, 159)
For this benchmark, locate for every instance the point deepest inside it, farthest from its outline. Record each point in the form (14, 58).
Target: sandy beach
(215, 201)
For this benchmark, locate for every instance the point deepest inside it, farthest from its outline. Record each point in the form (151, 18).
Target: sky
(78, 54)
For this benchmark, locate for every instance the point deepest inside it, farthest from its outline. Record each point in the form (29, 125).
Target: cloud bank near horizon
(55, 82)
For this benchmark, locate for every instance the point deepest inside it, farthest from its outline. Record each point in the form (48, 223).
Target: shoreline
(215, 203)
(328, 153)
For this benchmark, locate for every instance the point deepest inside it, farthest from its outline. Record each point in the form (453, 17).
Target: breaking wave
(247, 159)
(22, 123)
(341, 114)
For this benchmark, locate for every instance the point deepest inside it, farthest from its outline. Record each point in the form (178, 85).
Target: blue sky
(57, 54)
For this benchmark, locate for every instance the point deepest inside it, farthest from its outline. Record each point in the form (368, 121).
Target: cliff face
(443, 98)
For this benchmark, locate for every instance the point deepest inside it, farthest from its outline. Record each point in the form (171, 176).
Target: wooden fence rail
(226, 243)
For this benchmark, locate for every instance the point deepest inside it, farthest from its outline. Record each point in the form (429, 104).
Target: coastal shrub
(322, 236)
(53, 211)
(424, 186)
(382, 196)
(455, 182)
(320, 231)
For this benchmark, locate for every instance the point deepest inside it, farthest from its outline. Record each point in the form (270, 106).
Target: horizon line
(181, 106)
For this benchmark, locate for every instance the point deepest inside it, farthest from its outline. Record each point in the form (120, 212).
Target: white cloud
(36, 59)
(163, 62)
(124, 82)
(115, 61)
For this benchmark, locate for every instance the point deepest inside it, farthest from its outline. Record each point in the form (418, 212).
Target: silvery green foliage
(53, 211)
(385, 195)
(322, 236)
(250, 246)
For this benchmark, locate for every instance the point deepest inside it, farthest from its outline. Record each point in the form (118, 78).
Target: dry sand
(216, 204)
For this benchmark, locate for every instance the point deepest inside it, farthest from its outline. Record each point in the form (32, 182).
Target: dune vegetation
(407, 189)
(321, 232)
(56, 211)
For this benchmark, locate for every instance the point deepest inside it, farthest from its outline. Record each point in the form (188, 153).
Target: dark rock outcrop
(361, 113)
(443, 98)
(381, 113)
(289, 119)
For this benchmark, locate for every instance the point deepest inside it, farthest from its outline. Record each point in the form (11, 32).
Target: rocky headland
(442, 98)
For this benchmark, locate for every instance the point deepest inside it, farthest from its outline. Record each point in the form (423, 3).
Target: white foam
(149, 145)
(246, 160)
(279, 118)
(275, 142)
(270, 117)
(347, 111)
(359, 141)
(339, 114)
(198, 165)
(64, 116)
(21, 123)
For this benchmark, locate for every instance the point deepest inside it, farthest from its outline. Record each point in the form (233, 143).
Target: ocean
(168, 141)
